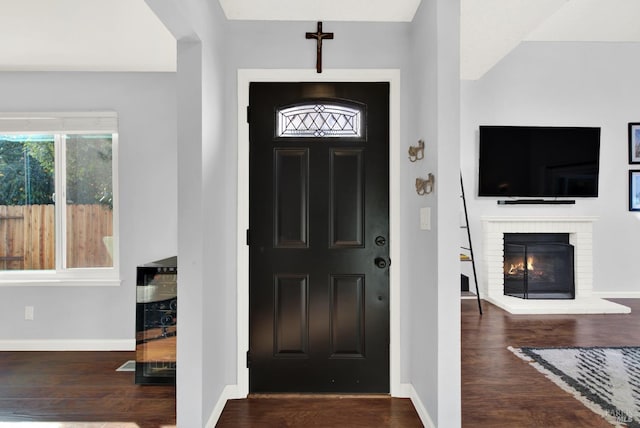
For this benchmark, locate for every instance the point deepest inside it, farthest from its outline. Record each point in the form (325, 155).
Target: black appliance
(156, 321)
(538, 161)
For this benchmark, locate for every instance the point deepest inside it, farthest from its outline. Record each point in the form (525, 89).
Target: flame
(519, 267)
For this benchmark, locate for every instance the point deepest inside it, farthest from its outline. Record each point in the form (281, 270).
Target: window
(319, 120)
(58, 205)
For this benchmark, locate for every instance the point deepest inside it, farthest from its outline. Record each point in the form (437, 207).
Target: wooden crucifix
(319, 35)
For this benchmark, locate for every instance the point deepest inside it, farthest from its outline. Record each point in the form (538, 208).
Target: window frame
(313, 107)
(59, 125)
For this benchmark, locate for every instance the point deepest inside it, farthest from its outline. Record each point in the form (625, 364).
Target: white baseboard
(417, 403)
(228, 393)
(616, 294)
(68, 345)
(404, 390)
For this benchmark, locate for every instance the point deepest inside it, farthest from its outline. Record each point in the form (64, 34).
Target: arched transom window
(319, 120)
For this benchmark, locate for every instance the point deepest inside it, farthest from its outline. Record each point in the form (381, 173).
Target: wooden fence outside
(27, 236)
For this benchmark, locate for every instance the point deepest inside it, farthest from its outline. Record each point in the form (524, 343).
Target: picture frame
(634, 143)
(634, 190)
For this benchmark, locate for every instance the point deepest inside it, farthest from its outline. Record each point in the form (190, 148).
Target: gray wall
(145, 103)
(572, 84)
(433, 255)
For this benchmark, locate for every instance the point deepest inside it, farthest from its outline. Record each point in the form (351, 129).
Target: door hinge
(248, 240)
(248, 114)
(248, 359)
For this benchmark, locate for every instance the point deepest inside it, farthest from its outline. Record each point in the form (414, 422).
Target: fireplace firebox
(538, 266)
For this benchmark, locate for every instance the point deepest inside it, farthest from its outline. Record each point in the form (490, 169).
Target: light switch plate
(425, 218)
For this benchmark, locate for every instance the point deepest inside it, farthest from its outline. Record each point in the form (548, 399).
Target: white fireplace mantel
(580, 230)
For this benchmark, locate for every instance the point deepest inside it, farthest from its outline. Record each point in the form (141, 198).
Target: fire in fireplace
(538, 266)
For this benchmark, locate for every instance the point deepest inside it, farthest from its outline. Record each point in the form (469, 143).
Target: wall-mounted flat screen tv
(539, 161)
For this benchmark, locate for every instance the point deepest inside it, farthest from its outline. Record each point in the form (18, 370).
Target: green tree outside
(27, 169)
(24, 180)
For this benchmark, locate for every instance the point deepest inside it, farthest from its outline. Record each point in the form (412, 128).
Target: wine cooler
(156, 321)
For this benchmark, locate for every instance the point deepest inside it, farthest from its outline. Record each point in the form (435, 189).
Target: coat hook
(425, 186)
(416, 152)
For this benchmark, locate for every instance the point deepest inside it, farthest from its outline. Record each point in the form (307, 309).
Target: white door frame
(245, 76)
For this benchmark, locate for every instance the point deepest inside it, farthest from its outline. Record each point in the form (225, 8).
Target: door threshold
(316, 395)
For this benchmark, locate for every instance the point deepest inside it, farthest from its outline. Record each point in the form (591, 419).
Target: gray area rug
(606, 380)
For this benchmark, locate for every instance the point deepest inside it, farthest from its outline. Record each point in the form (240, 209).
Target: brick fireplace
(580, 234)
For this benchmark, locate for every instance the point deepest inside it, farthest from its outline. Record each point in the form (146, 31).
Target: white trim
(69, 122)
(419, 406)
(48, 282)
(60, 160)
(68, 345)
(245, 76)
(59, 125)
(228, 393)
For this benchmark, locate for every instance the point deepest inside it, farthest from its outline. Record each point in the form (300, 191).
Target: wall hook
(416, 152)
(425, 186)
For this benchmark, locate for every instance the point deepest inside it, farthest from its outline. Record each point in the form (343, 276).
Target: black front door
(319, 237)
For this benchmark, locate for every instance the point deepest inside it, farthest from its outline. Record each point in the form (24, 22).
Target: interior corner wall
(421, 252)
(565, 84)
(145, 104)
(190, 377)
(206, 211)
(435, 293)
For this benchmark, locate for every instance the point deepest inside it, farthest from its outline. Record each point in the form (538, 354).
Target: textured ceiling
(124, 35)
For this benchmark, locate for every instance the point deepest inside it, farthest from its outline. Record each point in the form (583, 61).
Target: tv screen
(538, 161)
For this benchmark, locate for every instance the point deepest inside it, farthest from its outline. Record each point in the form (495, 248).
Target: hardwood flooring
(319, 411)
(498, 389)
(80, 387)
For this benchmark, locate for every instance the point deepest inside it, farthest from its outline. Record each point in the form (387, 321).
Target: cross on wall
(319, 36)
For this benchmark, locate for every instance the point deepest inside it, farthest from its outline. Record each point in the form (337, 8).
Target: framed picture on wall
(634, 143)
(634, 190)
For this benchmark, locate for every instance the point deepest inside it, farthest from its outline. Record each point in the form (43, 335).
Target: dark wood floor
(80, 387)
(319, 411)
(498, 389)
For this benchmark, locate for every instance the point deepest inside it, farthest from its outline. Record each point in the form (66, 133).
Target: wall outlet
(28, 313)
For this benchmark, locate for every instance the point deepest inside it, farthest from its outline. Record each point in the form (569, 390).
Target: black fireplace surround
(538, 266)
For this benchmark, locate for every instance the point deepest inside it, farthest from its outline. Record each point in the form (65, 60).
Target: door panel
(347, 316)
(347, 198)
(291, 167)
(319, 198)
(291, 308)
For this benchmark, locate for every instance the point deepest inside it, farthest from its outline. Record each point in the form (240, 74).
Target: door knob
(380, 262)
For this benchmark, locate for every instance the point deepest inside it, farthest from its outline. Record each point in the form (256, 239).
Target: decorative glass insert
(319, 120)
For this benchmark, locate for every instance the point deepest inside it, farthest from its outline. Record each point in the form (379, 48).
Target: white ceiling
(86, 35)
(124, 35)
(321, 10)
(490, 29)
